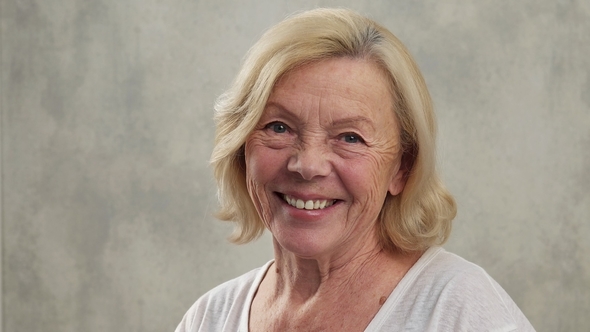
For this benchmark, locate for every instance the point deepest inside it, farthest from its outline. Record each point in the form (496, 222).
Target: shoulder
(444, 292)
(221, 308)
(466, 296)
(444, 270)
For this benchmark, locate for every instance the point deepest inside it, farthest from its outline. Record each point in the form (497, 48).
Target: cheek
(259, 199)
(372, 172)
(255, 170)
(368, 180)
(262, 167)
(260, 163)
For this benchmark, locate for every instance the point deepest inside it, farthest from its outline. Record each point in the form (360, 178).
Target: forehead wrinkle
(353, 121)
(329, 100)
(333, 110)
(277, 109)
(273, 107)
(284, 98)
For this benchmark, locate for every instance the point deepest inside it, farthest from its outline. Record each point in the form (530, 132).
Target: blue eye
(277, 127)
(352, 138)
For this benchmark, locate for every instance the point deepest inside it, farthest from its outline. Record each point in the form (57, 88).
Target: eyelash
(358, 138)
(277, 123)
(285, 128)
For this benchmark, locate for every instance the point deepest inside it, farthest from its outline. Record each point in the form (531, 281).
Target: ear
(398, 182)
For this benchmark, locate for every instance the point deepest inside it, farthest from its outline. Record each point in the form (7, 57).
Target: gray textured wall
(106, 130)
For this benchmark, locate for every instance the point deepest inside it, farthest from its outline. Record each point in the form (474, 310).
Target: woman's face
(324, 155)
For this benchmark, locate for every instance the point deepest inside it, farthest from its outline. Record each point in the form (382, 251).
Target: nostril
(309, 164)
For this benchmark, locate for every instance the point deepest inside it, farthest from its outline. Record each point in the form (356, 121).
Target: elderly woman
(326, 139)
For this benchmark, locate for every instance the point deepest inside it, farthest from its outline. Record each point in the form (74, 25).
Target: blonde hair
(417, 218)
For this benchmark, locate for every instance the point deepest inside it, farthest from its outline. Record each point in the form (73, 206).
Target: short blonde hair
(417, 218)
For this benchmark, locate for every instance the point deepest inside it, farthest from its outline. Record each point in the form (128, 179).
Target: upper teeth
(308, 205)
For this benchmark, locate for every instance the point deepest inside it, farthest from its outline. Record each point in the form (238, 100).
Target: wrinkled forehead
(371, 66)
(337, 87)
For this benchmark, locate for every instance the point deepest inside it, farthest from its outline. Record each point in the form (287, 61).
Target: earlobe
(398, 182)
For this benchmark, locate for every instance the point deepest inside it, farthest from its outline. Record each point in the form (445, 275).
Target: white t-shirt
(441, 292)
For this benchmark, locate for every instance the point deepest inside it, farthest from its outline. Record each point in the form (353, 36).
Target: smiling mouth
(308, 205)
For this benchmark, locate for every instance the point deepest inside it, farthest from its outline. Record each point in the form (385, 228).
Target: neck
(302, 279)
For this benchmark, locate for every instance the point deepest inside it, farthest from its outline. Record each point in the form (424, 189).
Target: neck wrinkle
(303, 279)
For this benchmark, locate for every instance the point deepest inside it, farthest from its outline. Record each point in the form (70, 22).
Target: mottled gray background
(107, 128)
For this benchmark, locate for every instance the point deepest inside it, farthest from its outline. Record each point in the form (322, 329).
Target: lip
(319, 203)
(304, 196)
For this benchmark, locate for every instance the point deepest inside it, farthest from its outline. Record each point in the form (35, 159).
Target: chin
(303, 245)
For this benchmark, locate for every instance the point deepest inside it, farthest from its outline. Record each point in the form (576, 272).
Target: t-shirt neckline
(380, 316)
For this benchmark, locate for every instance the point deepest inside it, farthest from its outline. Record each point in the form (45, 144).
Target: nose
(310, 161)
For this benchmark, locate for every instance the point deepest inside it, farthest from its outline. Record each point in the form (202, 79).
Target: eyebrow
(355, 120)
(276, 105)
